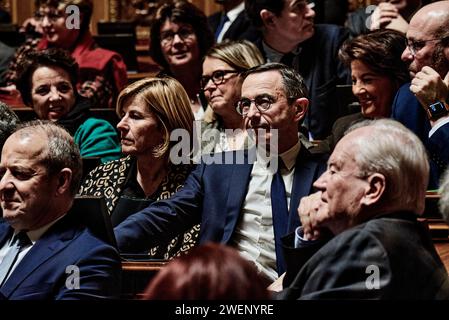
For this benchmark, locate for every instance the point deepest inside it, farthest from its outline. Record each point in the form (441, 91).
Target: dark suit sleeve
(342, 269)
(98, 276)
(438, 147)
(164, 219)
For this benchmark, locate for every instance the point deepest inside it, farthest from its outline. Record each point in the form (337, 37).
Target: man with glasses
(244, 204)
(423, 104)
(288, 35)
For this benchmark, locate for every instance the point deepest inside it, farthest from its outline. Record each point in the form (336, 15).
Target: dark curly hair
(179, 11)
(33, 60)
(381, 51)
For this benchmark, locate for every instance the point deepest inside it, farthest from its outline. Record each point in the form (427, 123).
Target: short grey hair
(62, 151)
(443, 203)
(399, 155)
(8, 123)
(294, 84)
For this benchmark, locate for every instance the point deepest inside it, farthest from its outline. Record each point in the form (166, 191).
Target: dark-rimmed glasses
(168, 36)
(416, 45)
(217, 77)
(262, 103)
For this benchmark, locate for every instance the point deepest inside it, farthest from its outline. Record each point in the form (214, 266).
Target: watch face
(437, 110)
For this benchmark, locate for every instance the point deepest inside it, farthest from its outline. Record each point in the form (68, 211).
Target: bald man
(423, 105)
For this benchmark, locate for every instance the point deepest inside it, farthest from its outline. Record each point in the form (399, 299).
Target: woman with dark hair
(179, 38)
(102, 72)
(377, 73)
(209, 272)
(47, 81)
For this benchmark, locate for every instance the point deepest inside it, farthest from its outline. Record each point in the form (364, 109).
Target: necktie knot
(224, 18)
(21, 239)
(287, 59)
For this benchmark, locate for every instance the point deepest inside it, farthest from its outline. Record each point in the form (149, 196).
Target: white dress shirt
(33, 235)
(254, 235)
(232, 15)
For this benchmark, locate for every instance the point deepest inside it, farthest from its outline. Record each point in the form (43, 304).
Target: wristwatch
(437, 110)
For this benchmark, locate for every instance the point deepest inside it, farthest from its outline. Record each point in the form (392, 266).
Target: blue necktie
(280, 215)
(224, 18)
(19, 241)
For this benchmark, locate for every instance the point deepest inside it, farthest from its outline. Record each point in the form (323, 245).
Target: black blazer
(240, 28)
(396, 244)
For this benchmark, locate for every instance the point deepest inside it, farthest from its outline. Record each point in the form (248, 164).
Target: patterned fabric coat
(109, 180)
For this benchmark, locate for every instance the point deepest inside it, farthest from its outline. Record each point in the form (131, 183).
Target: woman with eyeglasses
(221, 84)
(179, 38)
(102, 73)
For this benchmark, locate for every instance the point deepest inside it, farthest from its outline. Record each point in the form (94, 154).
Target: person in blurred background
(8, 123)
(102, 72)
(150, 110)
(179, 38)
(47, 83)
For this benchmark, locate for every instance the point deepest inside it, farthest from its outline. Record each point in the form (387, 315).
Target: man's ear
(301, 105)
(64, 181)
(267, 18)
(375, 189)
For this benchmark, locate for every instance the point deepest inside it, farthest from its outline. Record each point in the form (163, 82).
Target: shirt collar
(274, 55)
(289, 156)
(233, 13)
(36, 234)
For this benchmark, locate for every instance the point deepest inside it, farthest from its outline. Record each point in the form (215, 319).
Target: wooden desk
(443, 250)
(137, 275)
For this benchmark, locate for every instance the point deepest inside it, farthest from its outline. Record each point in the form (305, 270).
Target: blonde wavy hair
(166, 98)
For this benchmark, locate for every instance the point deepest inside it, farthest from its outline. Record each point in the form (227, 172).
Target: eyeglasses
(217, 77)
(262, 103)
(52, 15)
(415, 46)
(168, 36)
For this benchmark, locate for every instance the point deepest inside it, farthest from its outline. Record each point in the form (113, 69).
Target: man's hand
(383, 15)
(312, 213)
(428, 87)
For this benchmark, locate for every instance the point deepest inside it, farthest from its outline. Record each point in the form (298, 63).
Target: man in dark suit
(233, 200)
(290, 36)
(368, 199)
(232, 22)
(44, 251)
(423, 105)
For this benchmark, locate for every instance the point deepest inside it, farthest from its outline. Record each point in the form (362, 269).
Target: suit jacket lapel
(238, 189)
(5, 233)
(305, 174)
(53, 241)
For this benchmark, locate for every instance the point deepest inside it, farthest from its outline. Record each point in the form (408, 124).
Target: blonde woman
(221, 83)
(150, 109)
